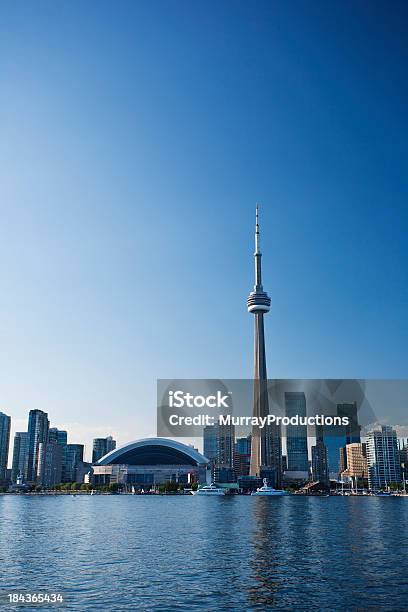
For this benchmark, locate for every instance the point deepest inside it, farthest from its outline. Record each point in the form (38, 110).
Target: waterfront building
(247, 484)
(243, 445)
(342, 459)
(242, 456)
(337, 437)
(353, 429)
(38, 425)
(403, 451)
(101, 447)
(58, 435)
(152, 461)
(335, 442)
(218, 444)
(272, 471)
(320, 463)
(403, 454)
(296, 435)
(19, 486)
(210, 442)
(73, 457)
(223, 474)
(5, 424)
(241, 464)
(83, 472)
(50, 463)
(383, 458)
(225, 445)
(60, 438)
(20, 456)
(356, 461)
(266, 447)
(295, 479)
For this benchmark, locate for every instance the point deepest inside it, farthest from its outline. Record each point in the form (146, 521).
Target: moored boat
(266, 490)
(210, 490)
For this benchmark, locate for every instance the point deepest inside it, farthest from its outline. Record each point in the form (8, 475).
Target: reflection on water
(265, 516)
(190, 553)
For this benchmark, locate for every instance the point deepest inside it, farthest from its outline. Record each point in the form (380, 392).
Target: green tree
(171, 486)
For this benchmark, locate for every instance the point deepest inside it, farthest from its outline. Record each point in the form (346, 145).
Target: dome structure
(154, 451)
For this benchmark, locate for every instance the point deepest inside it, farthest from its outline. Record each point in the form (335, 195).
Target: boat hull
(208, 493)
(269, 493)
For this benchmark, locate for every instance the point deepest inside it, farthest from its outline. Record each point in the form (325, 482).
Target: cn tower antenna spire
(257, 230)
(257, 254)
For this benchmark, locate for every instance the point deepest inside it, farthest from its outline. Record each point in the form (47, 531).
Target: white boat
(211, 490)
(265, 490)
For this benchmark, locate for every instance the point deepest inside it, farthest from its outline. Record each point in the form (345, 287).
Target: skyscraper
(58, 435)
(338, 436)
(38, 425)
(5, 423)
(352, 430)
(219, 448)
(356, 461)
(20, 456)
(242, 456)
(403, 454)
(72, 461)
(266, 441)
(50, 463)
(320, 467)
(383, 458)
(243, 445)
(210, 442)
(101, 447)
(225, 444)
(296, 435)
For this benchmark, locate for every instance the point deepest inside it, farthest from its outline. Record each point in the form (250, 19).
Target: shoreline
(107, 493)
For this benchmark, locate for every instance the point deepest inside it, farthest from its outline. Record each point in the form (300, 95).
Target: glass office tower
(296, 435)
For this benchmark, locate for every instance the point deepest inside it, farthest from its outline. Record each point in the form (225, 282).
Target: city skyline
(97, 433)
(377, 400)
(29, 450)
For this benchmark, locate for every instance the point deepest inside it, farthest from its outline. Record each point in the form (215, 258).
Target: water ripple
(120, 553)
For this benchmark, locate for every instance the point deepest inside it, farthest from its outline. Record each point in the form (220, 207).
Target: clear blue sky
(135, 139)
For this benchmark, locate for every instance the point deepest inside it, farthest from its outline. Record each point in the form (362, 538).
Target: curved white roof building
(151, 461)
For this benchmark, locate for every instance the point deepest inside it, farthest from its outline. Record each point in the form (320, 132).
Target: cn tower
(259, 304)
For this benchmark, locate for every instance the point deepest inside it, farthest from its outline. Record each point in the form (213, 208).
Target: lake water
(118, 553)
